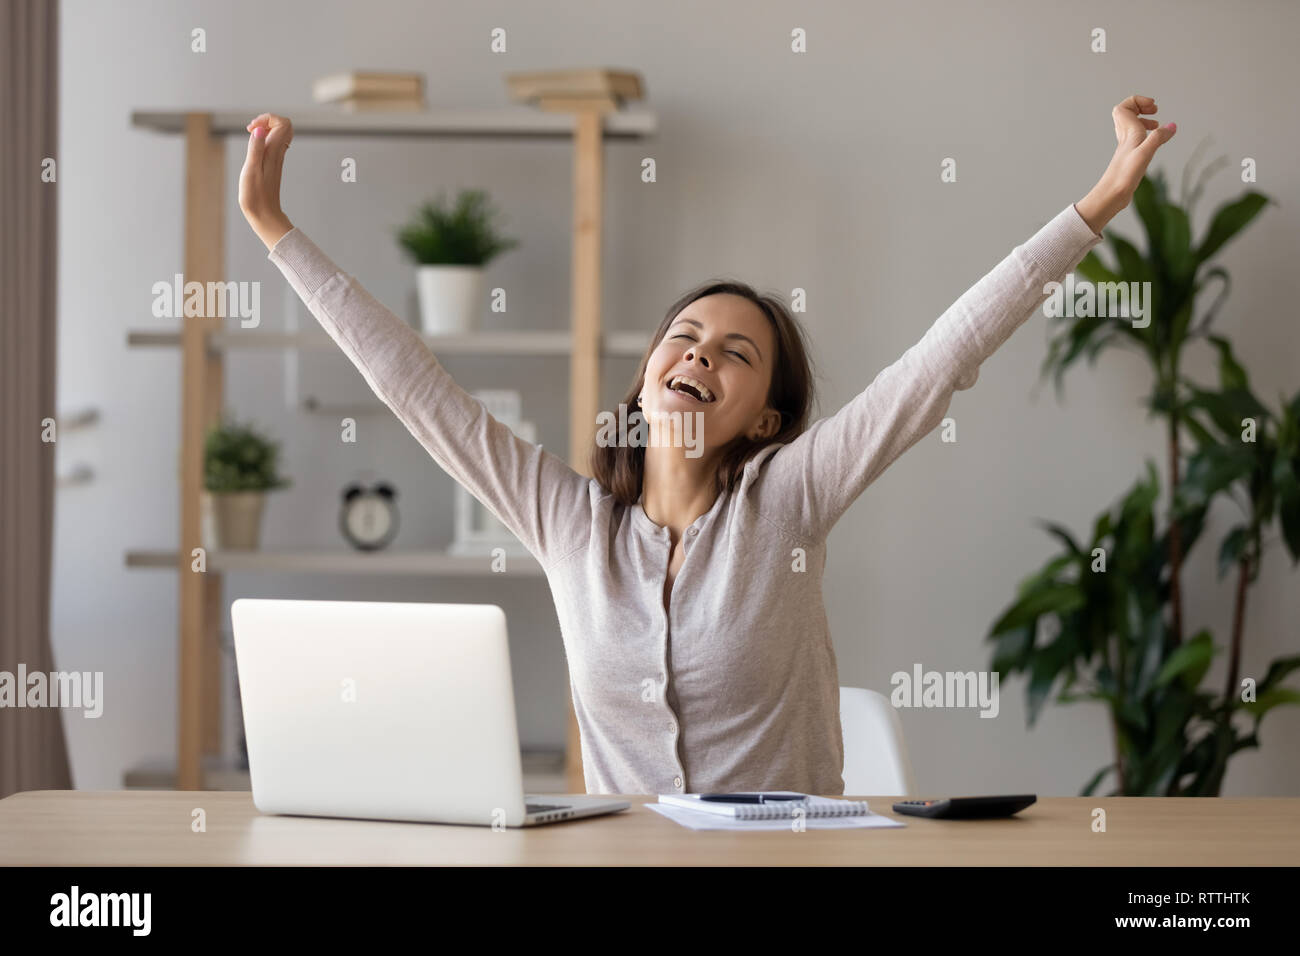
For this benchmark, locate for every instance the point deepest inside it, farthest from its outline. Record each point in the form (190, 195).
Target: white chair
(875, 757)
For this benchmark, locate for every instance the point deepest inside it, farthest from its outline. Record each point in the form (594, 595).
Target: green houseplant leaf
(1229, 220)
(1274, 697)
(1189, 662)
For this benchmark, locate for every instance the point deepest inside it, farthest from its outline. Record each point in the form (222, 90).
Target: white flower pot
(231, 520)
(451, 298)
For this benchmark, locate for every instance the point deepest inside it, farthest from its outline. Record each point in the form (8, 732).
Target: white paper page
(695, 820)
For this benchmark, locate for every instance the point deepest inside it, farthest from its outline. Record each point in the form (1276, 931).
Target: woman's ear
(768, 424)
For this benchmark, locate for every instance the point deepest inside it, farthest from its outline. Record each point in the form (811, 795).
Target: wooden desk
(132, 827)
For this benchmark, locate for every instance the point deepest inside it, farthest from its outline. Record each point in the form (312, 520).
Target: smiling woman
(688, 589)
(748, 352)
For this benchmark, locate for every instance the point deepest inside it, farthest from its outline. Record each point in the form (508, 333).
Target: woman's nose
(699, 357)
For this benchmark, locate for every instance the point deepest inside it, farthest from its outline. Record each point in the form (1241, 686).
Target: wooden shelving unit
(584, 106)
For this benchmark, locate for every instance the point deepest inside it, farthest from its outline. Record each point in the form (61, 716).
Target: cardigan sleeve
(534, 494)
(806, 485)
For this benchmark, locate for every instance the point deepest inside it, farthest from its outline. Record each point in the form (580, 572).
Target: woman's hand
(1139, 138)
(259, 180)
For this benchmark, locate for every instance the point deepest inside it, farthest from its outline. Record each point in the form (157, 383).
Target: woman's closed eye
(740, 355)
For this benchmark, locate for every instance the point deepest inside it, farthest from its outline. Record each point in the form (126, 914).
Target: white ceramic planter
(451, 298)
(231, 520)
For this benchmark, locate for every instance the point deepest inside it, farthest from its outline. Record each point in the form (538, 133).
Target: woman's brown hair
(620, 469)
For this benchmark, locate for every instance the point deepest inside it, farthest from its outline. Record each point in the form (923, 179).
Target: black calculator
(966, 808)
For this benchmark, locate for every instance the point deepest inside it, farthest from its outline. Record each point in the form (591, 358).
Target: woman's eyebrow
(729, 335)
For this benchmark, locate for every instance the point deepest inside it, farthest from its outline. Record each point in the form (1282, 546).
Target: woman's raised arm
(808, 484)
(534, 493)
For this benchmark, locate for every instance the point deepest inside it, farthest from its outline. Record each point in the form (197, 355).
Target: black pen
(750, 797)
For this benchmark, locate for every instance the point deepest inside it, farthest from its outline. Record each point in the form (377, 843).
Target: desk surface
(133, 827)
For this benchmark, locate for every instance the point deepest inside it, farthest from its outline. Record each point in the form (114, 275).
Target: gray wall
(818, 171)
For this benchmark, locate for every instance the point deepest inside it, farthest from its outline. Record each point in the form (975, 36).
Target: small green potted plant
(451, 247)
(239, 467)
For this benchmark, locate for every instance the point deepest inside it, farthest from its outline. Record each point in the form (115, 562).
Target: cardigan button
(677, 782)
(692, 530)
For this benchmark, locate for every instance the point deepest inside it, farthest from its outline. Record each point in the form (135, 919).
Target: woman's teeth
(690, 386)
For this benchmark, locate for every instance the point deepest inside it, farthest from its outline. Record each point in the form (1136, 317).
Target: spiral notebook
(809, 806)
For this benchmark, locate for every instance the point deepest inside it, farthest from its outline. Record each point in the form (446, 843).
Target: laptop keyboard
(543, 807)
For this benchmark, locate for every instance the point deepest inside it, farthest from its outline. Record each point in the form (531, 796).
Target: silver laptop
(386, 711)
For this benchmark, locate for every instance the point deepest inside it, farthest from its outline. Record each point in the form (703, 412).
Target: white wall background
(818, 171)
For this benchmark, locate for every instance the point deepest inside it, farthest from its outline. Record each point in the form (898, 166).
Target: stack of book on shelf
(363, 91)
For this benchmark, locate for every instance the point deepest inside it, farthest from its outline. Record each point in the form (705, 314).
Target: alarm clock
(368, 518)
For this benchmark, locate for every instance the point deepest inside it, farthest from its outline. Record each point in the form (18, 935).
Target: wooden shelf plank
(543, 772)
(473, 343)
(540, 343)
(321, 561)
(517, 122)
(624, 344)
(151, 338)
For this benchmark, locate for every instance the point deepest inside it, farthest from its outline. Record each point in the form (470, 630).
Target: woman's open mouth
(691, 388)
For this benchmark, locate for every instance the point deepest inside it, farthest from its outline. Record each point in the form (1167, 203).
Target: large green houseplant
(1102, 620)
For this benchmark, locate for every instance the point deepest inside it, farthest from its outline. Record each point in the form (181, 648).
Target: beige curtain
(33, 752)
